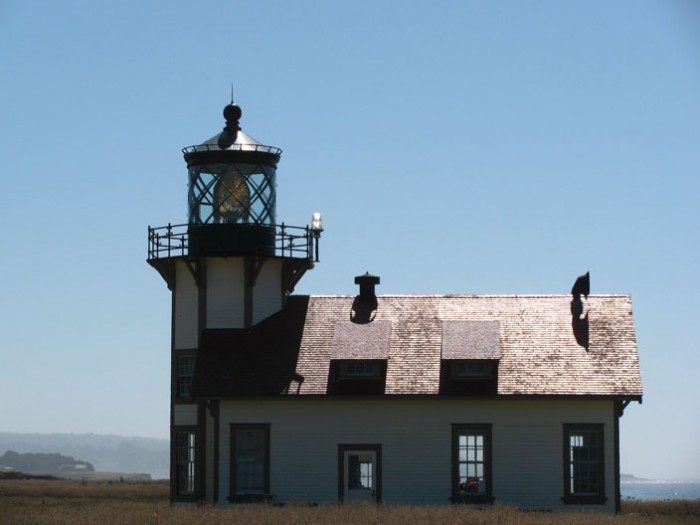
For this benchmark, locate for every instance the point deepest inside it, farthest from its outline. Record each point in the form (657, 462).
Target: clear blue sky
(452, 146)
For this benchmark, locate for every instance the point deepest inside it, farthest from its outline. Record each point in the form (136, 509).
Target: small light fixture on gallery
(316, 229)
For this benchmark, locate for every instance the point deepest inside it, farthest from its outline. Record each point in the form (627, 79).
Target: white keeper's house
(400, 399)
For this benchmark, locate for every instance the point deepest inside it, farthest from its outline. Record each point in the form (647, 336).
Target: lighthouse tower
(229, 268)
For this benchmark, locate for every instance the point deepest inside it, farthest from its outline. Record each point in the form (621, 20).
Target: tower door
(360, 474)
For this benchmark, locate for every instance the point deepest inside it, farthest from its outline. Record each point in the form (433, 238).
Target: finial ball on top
(232, 112)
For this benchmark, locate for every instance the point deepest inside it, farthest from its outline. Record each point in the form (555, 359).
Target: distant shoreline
(655, 490)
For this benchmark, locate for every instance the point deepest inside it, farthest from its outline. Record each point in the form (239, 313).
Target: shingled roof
(531, 337)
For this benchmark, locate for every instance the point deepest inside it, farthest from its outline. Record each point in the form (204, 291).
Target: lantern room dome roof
(244, 142)
(231, 144)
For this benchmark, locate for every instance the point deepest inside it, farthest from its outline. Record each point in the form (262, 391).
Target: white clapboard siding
(186, 329)
(267, 294)
(415, 435)
(225, 292)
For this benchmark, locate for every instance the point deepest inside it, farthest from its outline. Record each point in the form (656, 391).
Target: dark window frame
(373, 369)
(252, 497)
(184, 382)
(571, 497)
(342, 384)
(488, 367)
(485, 430)
(190, 433)
(454, 384)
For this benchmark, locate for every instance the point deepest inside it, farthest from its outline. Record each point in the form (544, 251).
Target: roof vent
(582, 286)
(579, 314)
(367, 283)
(364, 307)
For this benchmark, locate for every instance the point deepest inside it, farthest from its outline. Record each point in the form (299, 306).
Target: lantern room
(232, 182)
(231, 208)
(232, 191)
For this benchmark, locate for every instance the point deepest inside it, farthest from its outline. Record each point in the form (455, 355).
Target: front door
(359, 476)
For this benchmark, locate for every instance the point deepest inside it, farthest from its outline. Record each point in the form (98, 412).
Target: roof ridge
(452, 295)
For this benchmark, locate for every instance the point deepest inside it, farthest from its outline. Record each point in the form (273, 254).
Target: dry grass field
(74, 502)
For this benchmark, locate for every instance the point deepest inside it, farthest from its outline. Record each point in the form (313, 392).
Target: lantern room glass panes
(232, 194)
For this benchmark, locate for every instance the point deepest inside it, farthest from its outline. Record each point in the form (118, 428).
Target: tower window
(185, 373)
(186, 463)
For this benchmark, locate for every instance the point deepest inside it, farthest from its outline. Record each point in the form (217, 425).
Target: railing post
(167, 241)
(283, 240)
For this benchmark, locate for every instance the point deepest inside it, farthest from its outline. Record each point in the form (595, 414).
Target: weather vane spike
(231, 92)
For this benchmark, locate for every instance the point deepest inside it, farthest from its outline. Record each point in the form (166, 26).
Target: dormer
(471, 351)
(359, 358)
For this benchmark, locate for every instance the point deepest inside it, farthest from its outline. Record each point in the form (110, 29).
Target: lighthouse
(333, 398)
(230, 267)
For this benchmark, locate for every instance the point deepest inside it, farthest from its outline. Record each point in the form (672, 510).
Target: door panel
(359, 473)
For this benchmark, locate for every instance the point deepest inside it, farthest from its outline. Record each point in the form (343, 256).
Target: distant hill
(39, 463)
(104, 452)
(631, 478)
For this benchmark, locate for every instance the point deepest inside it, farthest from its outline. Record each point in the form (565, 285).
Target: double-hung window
(186, 454)
(185, 372)
(583, 464)
(471, 463)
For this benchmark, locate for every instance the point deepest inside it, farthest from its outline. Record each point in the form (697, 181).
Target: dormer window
(471, 351)
(357, 377)
(357, 369)
(359, 358)
(471, 370)
(468, 377)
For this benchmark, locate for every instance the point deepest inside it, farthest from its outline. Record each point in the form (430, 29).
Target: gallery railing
(173, 241)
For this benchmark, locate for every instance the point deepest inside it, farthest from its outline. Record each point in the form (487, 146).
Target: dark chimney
(367, 283)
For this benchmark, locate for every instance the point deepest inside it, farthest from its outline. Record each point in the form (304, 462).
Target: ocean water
(660, 490)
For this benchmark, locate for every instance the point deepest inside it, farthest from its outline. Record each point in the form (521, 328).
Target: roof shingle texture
(539, 353)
